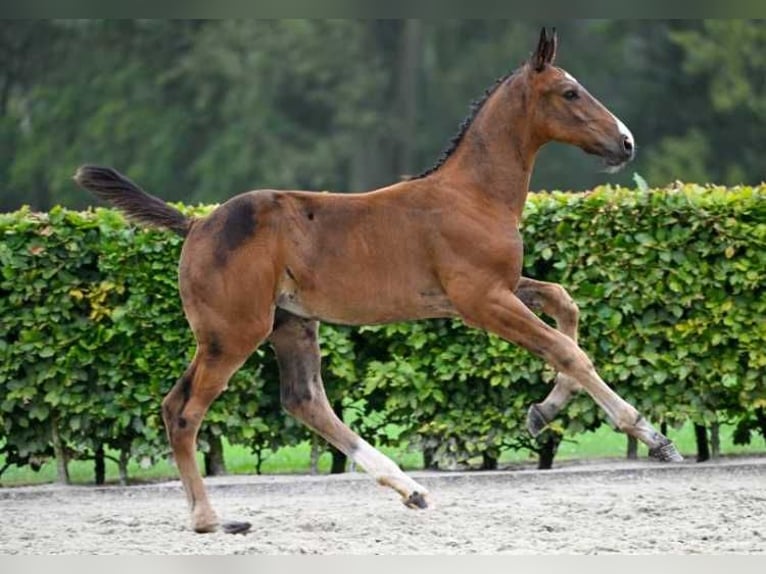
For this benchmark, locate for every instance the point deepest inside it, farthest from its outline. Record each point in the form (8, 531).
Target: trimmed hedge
(670, 285)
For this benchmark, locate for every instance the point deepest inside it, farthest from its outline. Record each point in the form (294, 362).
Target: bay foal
(268, 265)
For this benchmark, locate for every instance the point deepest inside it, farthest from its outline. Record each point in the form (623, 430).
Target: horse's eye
(571, 95)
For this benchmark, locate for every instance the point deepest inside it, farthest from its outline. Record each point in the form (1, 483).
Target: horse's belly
(376, 308)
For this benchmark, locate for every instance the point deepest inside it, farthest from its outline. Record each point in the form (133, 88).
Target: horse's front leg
(553, 300)
(500, 311)
(302, 392)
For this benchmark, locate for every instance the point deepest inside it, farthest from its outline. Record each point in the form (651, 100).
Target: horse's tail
(110, 185)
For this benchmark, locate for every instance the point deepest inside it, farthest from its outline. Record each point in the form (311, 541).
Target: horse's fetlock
(569, 307)
(628, 422)
(571, 312)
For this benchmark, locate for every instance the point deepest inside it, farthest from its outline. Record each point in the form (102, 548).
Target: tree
(727, 59)
(105, 97)
(202, 110)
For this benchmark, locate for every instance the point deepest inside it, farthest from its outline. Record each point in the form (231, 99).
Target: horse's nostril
(627, 144)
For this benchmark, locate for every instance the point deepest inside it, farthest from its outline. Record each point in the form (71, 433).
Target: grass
(607, 443)
(603, 443)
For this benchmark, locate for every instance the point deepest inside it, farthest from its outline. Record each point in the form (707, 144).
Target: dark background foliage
(202, 110)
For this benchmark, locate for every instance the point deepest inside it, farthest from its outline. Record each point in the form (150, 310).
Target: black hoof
(235, 527)
(536, 422)
(666, 453)
(416, 500)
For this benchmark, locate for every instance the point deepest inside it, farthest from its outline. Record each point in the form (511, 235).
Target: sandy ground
(624, 507)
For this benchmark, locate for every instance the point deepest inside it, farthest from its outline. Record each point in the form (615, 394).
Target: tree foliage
(204, 109)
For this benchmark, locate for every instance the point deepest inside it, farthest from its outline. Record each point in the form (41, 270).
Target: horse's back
(348, 258)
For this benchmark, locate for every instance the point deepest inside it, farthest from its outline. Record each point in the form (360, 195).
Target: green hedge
(670, 285)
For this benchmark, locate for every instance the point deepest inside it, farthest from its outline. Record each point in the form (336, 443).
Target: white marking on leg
(384, 470)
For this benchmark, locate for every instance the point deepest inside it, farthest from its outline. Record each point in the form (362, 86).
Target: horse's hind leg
(302, 392)
(183, 410)
(553, 300)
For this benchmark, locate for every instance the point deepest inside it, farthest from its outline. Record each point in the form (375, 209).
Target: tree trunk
(429, 460)
(548, 447)
(122, 465)
(715, 440)
(338, 458)
(700, 434)
(258, 452)
(214, 463)
(99, 464)
(632, 448)
(488, 462)
(760, 417)
(664, 428)
(410, 50)
(316, 452)
(338, 461)
(62, 461)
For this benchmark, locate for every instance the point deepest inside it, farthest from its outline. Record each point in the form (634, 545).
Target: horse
(268, 265)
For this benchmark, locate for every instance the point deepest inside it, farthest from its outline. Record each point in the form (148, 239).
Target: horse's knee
(295, 343)
(572, 362)
(293, 406)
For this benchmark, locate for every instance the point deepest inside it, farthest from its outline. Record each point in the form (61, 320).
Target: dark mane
(476, 106)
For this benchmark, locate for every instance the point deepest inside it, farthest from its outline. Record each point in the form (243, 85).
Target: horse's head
(565, 111)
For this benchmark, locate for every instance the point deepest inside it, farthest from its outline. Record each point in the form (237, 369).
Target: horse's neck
(496, 156)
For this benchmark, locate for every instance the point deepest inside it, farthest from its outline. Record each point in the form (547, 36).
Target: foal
(268, 265)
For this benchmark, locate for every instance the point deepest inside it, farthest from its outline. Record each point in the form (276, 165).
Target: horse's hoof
(536, 422)
(236, 527)
(666, 453)
(204, 520)
(416, 500)
(205, 528)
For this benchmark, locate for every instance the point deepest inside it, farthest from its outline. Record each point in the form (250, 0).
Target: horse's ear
(538, 58)
(546, 50)
(553, 45)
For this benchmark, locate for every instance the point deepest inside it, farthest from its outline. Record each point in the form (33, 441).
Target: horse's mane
(474, 110)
